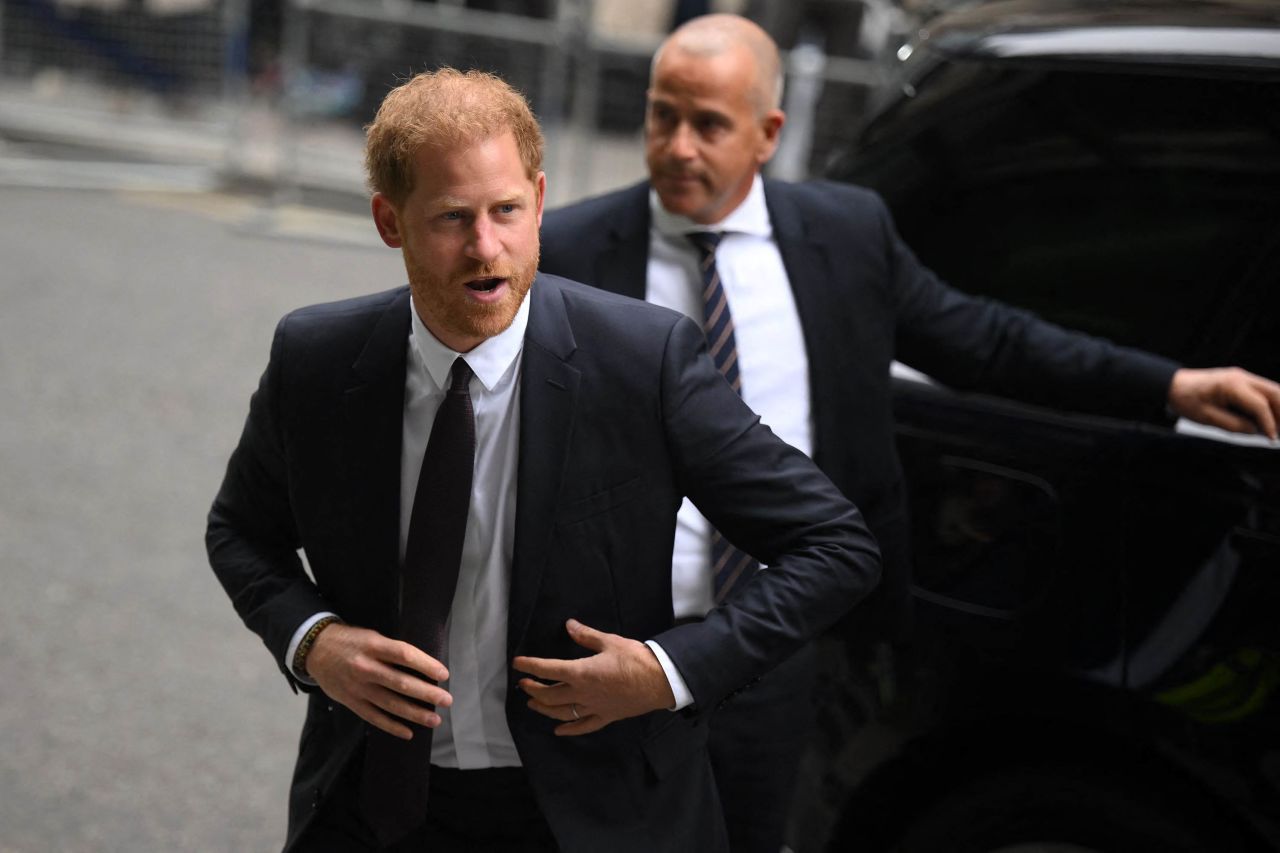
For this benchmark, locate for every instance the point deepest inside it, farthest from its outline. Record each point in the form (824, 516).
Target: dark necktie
(393, 795)
(728, 565)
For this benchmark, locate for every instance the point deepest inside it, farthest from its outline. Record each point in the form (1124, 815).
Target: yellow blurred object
(1229, 691)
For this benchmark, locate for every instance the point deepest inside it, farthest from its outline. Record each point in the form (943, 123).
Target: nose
(682, 145)
(484, 245)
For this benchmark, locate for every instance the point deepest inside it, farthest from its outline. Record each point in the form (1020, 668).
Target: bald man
(822, 296)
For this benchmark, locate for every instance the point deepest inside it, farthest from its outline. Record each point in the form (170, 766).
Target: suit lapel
(809, 271)
(548, 393)
(373, 423)
(622, 266)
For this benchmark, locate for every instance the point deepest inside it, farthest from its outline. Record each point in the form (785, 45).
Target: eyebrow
(452, 203)
(697, 112)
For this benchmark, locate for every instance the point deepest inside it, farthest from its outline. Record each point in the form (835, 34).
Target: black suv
(1095, 664)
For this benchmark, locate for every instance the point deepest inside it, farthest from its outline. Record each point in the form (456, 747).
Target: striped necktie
(729, 565)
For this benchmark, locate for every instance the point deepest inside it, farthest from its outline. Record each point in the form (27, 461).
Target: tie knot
(461, 374)
(706, 242)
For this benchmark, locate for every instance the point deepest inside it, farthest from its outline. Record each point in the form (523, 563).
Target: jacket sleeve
(251, 537)
(771, 501)
(974, 343)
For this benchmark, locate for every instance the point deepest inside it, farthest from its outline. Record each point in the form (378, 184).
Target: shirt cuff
(679, 689)
(297, 638)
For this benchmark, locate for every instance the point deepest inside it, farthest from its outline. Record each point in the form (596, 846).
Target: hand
(623, 679)
(362, 670)
(1227, 397)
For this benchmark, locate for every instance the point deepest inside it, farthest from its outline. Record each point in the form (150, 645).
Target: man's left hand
(622, 679)
(1227, 397)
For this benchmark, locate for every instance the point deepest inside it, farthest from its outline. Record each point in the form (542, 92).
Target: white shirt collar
(749, 217)
(489, 361)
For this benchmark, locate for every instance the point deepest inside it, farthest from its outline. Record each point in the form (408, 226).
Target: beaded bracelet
(307, 641)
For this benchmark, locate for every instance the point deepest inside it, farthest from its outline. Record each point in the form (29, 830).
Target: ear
(770, 126)
(542, 194)
(387, 218)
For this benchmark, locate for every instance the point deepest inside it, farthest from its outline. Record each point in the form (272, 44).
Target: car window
(1144, 207)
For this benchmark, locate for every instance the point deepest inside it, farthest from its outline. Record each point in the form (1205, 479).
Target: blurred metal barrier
(587, 87)
(826, 100)
(180, 84)
(144, 80)
(340, 57)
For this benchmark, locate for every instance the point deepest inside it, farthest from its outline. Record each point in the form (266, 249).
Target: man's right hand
(361, 669)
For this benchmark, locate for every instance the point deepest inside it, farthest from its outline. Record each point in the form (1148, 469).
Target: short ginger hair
(443, 109)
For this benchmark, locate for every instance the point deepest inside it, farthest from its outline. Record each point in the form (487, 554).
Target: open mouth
(484, 285)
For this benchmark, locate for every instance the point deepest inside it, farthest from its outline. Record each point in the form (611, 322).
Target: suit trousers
(468, 811)
(757, 741)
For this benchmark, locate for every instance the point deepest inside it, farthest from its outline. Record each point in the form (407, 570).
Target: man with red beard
(483, 470)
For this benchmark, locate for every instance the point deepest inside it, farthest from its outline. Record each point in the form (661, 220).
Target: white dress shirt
(772, 361)
(473, 732)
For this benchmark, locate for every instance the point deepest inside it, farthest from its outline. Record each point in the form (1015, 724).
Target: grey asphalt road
(136, 711)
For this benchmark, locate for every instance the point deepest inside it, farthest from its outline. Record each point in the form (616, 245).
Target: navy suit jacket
(622, 415)
(865, 300)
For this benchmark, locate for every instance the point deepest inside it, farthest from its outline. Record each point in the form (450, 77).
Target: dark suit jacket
(622, 414)
(864, 300)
